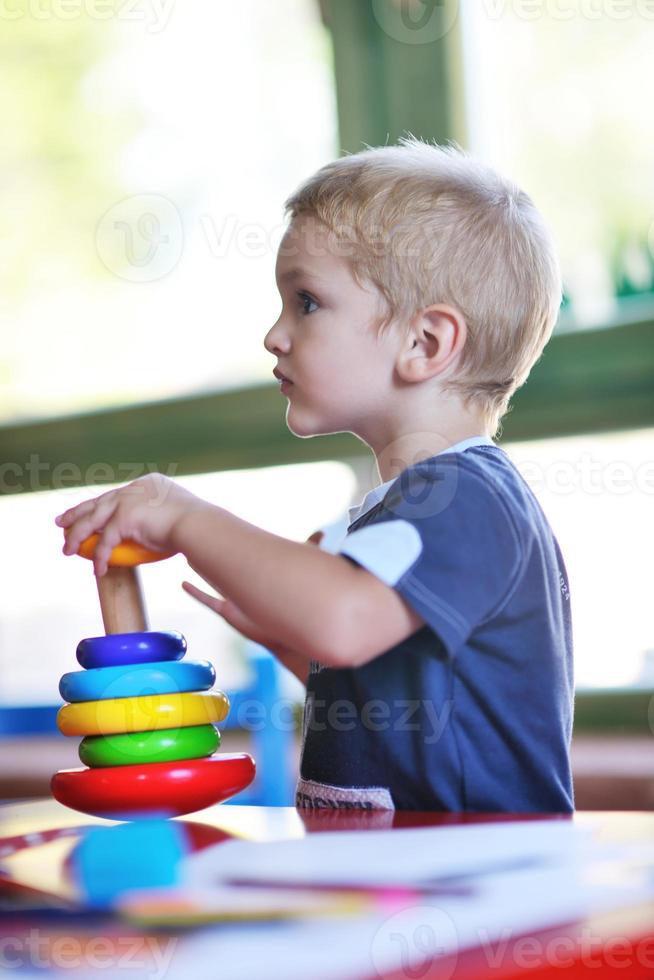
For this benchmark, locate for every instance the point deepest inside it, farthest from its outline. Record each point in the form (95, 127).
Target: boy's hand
(232, 613)
(145, 511)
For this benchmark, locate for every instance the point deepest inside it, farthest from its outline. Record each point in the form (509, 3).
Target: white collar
(375, 495)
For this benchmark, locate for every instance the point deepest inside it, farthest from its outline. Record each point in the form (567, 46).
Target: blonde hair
(431, 224)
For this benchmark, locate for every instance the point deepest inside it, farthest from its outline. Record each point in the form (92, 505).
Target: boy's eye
(305, 303)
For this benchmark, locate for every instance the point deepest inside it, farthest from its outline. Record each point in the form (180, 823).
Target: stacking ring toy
(147, 713)
(165, 789)
(118, 649)
(166, 677)
(147, 716)
(165, 745)
(127, 554)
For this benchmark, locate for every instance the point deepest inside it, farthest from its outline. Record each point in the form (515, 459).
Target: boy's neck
(408, 448)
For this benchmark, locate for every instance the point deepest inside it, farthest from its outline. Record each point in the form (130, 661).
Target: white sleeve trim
(388, 550)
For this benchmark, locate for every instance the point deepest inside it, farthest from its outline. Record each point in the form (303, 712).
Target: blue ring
(135, 680)
(121, 649)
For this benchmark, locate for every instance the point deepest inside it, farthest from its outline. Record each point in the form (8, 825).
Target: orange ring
(125, 555)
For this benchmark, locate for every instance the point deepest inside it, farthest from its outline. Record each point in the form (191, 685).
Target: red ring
(166, 789)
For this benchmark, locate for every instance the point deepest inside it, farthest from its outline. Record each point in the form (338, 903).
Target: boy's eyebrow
(299, 273)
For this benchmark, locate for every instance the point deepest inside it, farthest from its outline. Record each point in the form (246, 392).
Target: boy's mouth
(281, 377)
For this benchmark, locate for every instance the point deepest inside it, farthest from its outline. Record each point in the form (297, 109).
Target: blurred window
(146, 157)
(558, 96)
(598, 494)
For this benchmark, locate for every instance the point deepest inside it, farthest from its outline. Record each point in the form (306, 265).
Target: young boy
(419, 288)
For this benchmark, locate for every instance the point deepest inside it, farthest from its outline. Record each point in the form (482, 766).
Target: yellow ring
(147, 713)
(125, 555)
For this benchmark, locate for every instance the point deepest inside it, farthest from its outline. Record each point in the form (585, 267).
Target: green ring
(163, 745)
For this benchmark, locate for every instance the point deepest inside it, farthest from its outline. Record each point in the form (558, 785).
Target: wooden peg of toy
(119, 589)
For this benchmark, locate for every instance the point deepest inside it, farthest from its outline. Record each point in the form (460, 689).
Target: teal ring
(135, 680)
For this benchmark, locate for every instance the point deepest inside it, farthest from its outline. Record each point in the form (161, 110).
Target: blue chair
(28, 719)
(254, 709)
(272, 734)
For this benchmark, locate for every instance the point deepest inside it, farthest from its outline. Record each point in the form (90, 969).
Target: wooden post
(121, 601)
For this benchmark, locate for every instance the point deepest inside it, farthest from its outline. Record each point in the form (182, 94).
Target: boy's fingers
(69, 516)
(73, 514)
(229, 612)
(316, 537)
(209, 600)
(96, 517)
(110, 538)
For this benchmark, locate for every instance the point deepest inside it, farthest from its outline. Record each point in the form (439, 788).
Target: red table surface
(622, 942)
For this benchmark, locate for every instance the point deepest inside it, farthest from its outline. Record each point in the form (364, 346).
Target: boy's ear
(435, 339)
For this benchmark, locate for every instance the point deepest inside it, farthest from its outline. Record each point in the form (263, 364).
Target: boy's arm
(230, 612)
(318, 605)
(294, 662)
(326, 607)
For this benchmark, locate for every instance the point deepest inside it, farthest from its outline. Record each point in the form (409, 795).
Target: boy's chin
(303, 426)
(306, 431)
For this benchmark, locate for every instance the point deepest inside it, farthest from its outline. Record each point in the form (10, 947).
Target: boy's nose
(276, 339)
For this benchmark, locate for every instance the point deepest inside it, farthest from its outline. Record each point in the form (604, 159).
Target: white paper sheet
(398, 857)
